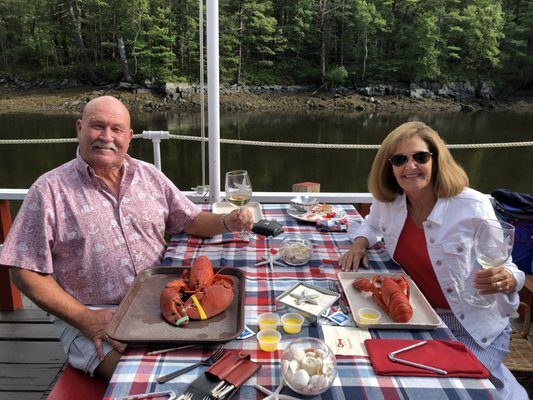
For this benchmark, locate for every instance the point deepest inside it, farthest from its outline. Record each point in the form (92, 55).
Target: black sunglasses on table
(420, 157)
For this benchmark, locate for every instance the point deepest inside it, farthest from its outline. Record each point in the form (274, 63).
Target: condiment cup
(268, 339)
(268, 321)
(292, 322)
(368, 315)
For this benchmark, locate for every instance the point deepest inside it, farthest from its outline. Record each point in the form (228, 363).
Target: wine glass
(493, 244)
(238, 190)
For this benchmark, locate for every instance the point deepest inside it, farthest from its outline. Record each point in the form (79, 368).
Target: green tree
(298, 38)
(517, 46)
(482, 36)
(155, 54)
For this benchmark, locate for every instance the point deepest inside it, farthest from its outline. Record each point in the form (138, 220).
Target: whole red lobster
(392, 295)
(197, 294)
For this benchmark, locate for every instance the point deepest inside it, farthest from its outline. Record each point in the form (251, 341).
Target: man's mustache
(103, 145)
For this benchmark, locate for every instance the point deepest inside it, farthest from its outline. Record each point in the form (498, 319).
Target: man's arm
(207, 224)
(44, 291)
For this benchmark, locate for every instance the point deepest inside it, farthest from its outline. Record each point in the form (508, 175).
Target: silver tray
(424, 316)
(138, 317)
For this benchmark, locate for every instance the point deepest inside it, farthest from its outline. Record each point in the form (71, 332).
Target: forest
(286, 42)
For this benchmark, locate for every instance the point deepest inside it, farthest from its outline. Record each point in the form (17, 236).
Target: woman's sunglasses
(421, 157)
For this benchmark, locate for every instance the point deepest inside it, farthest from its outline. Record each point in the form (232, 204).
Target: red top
(412, 254)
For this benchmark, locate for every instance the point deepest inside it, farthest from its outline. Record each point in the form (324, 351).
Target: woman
(426, 215)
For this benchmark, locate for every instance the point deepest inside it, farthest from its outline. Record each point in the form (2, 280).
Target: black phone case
(267, 228)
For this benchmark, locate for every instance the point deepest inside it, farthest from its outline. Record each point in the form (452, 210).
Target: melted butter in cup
(368, 315)
(268, 339)
(268, 321)
(292, 322)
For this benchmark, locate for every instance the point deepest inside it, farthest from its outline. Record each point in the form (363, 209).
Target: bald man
(87, 228)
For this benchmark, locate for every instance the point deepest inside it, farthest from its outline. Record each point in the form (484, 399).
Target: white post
(213, 100)
(156, 137)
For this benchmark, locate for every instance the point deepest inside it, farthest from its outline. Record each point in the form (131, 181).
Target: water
(277, 168)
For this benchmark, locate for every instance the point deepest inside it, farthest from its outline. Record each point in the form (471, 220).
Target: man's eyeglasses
(421, 157)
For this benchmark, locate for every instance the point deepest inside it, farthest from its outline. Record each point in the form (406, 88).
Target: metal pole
(213, 100)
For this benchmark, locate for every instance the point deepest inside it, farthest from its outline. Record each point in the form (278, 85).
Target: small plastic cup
(292, 322)
(368, 315)
(268, 339)
(268, 321)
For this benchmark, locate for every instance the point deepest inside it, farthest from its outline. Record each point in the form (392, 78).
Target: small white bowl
(303, 203)
(296, 251)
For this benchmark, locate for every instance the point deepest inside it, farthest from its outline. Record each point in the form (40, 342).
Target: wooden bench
(75, 384)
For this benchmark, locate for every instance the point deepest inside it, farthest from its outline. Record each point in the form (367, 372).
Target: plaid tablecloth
(137, 372)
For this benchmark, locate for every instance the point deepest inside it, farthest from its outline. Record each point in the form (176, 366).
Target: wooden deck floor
(31, 356)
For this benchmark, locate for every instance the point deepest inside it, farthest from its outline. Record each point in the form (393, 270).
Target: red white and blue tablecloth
(137, 372)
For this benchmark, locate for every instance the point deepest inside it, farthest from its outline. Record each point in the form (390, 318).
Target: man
(88, 227)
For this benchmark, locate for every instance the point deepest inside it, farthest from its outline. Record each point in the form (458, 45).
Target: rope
(347, 146)
(282, 144)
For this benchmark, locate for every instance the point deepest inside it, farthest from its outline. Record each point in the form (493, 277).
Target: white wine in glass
(239, 200)
(493, 245)
(238, 189)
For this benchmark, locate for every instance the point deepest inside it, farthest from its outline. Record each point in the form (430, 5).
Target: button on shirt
(449, 232)
(73, 226)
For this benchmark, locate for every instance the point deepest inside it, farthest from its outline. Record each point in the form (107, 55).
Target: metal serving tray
(424, 316)
(138, 318)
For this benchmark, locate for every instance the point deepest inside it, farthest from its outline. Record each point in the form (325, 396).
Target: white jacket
(449, 232)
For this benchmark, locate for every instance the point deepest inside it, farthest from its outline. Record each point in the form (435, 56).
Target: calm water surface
(275, 168)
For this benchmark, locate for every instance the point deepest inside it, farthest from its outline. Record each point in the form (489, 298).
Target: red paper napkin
(452, 356)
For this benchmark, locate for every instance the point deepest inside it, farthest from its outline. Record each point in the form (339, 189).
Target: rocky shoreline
(70, 97)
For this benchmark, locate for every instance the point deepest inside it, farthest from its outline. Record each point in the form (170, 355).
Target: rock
(467, 108)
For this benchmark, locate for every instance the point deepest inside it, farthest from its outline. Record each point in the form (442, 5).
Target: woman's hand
(495, 280)
(355, 256)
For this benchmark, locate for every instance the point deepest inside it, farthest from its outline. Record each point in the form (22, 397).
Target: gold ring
(499, 286)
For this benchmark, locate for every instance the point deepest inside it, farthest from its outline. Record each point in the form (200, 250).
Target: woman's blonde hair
(448, 178)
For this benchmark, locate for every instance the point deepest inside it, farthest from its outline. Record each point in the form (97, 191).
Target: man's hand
(239, 220)
(93, 324)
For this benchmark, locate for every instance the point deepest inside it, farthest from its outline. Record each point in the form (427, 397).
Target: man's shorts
(80, 350)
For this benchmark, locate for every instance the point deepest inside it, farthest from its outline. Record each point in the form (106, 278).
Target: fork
(215, 356)
(333, 286)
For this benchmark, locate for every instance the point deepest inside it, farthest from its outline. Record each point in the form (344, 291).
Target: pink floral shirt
(72, 225)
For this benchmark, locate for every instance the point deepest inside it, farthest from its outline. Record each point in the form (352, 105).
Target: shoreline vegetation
(70, 97)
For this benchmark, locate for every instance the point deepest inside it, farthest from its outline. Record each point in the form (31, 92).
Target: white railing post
(156, 137)
(213, 100)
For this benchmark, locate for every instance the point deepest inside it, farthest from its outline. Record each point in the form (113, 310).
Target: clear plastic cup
(292, 322)
(368, 315)
(268, 339)
(268, 321)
